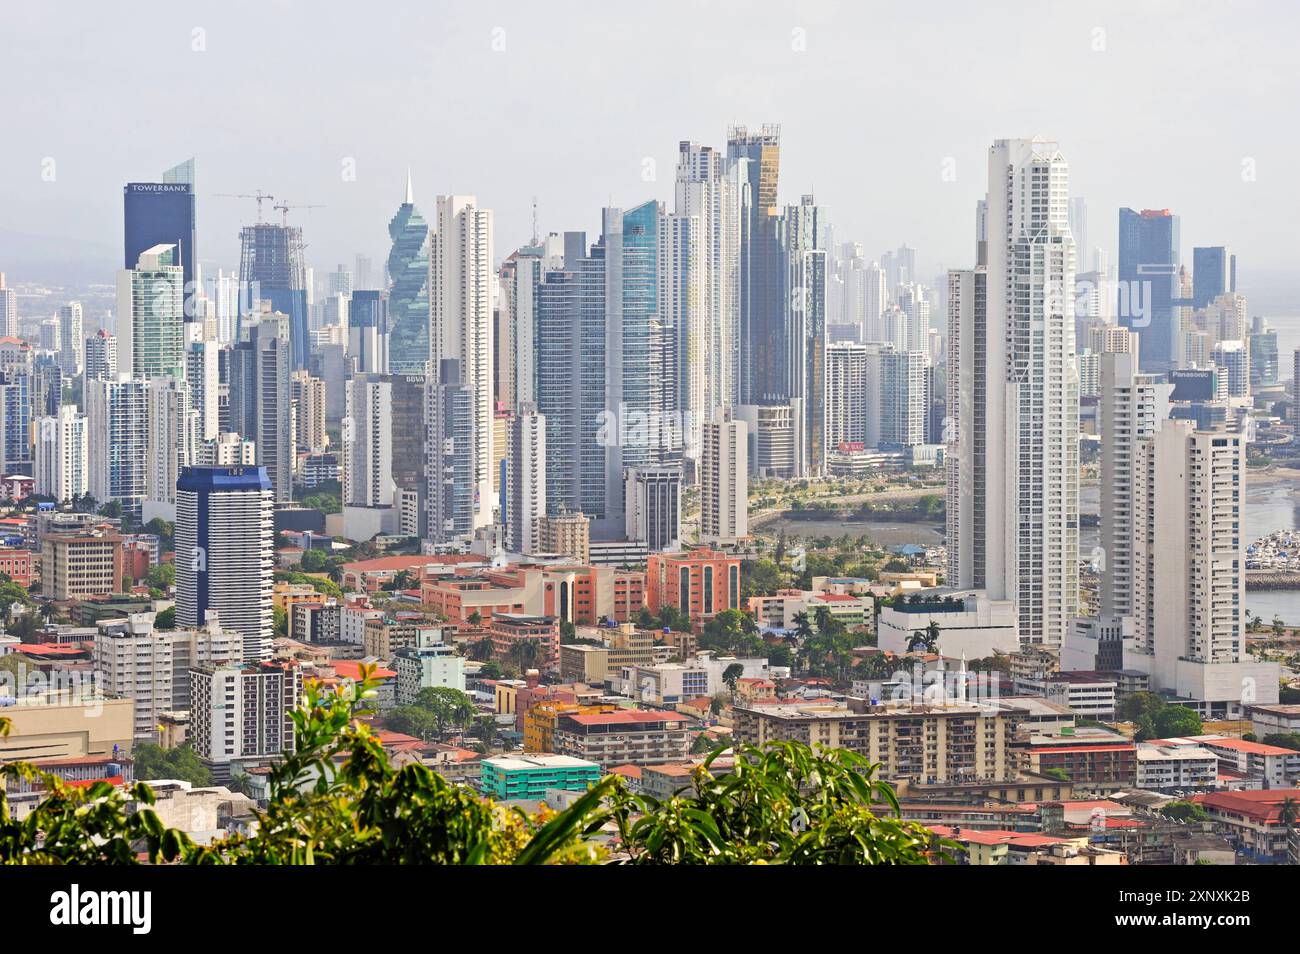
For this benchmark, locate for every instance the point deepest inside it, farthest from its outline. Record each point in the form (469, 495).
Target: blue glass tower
(159, 213)
(408, 297)
(1148, 274)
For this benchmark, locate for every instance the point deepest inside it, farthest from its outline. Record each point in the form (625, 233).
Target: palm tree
(927, 638)
(802, 629)
(525, 653)
(49, 611)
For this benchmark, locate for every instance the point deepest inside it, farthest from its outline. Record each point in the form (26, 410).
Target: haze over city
(1156, 105)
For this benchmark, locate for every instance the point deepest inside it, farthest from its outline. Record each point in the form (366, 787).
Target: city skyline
(755, 68)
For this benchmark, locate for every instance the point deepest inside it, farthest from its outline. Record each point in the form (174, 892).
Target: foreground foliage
(339, 800)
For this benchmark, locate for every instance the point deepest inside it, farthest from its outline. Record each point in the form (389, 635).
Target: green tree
(925, 639)
(448, 707)
(166, 619)
(153, 762)
(731, 676)
(1185, 812)
(760, 578)
(280, 622)
(161, 577)
(1176, 721)
(781, 804)
(802, 628)
(337, 799)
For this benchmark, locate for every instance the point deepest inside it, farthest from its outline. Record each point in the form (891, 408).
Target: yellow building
(540, 722)
(285, 595)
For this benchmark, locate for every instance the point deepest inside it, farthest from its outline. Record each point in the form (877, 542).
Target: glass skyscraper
(1148, 275)
(408, 297)
(160, 213)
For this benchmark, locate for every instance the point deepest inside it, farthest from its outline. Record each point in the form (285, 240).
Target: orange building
(700, 583)
(575, 594)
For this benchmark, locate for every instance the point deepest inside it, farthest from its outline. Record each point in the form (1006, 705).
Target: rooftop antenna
(535, 235)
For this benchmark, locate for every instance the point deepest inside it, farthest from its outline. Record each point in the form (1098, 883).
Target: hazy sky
(1155, 105)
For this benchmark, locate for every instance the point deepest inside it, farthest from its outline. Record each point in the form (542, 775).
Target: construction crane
(259, 195)
(284, 208)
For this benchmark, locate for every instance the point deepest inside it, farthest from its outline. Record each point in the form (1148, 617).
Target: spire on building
(410, 192)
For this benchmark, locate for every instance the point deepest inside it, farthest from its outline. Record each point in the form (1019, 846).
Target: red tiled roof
(626, 718)
(351, 669)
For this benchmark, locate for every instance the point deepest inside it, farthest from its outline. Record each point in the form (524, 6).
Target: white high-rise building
(368, 443)
(904, 397)
(1189, 580)
(1132, 407)
(149, 666)
(724, 480)
(875, 299)
(1013, 398)
(526, 481)
(117, 439)
(849, 392)
(225, 553)
(101, 357)
(915, 303)
(683, 308)
(462, 285)
(709, 189)
(72, 357)
(202, 375)
(60, 465)
(8, 310)
(170, 446)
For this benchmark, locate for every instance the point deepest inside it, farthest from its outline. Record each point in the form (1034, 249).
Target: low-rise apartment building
(623, 738)
(926, 743)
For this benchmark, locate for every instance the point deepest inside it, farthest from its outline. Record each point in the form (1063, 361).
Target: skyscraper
(60, 466)
(272, 269)
(225, 552)
(8, 310)
(639, 425)
(461, 289)
(805, 242)
(1132, 405)
(161, 213)
(571, 356)
(261, 398)
(169, 446)
(202, 375)
(151, 315)
(1189, 571)
(452, 484)
(1148, 275)
(526, 481)
(1214, 273)
(72, 339)
(709, 188)
(117, 440)
(101, 356)
(1013, 398)
(408, 294)
(762, 275)
(904, 397)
